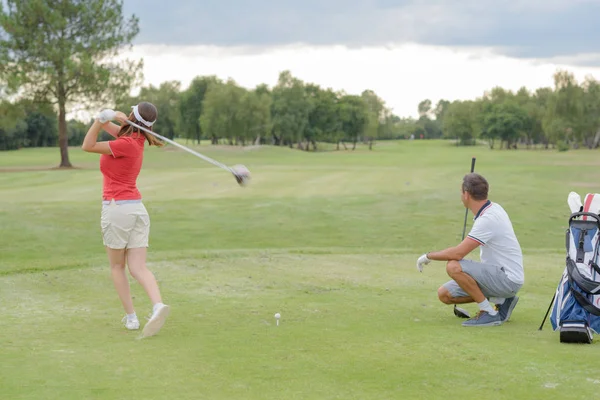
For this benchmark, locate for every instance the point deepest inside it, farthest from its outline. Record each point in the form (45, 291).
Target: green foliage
(323, 120)
(26, 124)
(504, 121)
(12, 126)
(354, 117)
(63, 52)
(254, 115)
(562, 146)
(459, 122)
(222, 111)
(191, 106)
(290, 109)
(306, 116)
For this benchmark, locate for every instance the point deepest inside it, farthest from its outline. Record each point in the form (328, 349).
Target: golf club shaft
(467, 210)
(458, 311)
(547, 312)
(210, 160)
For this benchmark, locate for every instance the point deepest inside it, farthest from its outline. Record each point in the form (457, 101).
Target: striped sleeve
(475, 239)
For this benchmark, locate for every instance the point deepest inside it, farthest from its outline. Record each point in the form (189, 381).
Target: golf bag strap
(585, 303)
(587, 285)
(576, 215)
(576, 279)
(595, 267)
(580, 255)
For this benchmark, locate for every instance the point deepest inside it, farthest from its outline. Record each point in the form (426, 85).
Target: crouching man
(499, 275)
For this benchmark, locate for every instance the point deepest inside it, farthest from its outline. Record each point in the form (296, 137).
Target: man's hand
(422, 261)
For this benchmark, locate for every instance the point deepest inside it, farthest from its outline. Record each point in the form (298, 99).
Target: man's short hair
(476, 185)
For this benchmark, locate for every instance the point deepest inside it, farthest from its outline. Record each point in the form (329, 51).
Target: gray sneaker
(507, 307)
(483, 318)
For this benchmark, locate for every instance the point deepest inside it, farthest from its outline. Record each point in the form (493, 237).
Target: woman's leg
(116, 257)
(136, 261)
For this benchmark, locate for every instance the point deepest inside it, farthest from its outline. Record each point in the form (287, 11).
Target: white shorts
(125, 224)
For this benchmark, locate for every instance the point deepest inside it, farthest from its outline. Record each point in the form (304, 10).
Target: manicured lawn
(327, 239)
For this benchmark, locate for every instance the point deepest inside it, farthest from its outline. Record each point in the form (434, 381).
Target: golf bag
(576, 304)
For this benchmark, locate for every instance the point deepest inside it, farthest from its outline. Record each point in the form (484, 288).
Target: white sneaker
(131, 324)
(156, 321)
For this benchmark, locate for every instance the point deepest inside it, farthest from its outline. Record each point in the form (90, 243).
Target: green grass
(329, 240)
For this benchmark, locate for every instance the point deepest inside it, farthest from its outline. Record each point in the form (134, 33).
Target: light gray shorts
(125, 224)
(492, 280)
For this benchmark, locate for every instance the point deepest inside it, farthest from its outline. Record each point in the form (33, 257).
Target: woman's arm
(90, 143)
(112, 128)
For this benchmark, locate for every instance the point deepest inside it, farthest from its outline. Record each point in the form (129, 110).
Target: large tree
(220, 116)
(290, 108)
(63, 51)
(376, 111)
(459, 122)
(354, 117)
(191, 106)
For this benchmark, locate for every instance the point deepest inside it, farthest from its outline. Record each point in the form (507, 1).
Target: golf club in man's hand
(424, 260)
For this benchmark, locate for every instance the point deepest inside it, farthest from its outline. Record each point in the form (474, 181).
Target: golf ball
(277, 315)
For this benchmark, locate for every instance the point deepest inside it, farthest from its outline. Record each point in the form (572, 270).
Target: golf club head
(461, 313)
(241, 174)
(574, 201)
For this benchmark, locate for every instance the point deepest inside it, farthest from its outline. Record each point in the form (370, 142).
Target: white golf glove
(422, 261)
(106, 115)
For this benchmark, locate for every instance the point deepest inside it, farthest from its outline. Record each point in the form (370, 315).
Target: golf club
(459, 312)
(575, 205)
(574, 202)
(240, 172)
(547, 312)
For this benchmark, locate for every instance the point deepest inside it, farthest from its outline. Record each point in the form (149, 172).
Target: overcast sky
(510, 43)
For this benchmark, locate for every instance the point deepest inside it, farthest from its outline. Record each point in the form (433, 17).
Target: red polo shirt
(121, 168)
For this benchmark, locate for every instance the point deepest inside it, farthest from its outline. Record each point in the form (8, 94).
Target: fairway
(328, 239)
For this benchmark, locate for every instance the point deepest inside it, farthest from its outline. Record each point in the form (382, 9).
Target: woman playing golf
(124, 219)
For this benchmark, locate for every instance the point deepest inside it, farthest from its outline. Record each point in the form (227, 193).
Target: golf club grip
(210, 160)
(467, 210)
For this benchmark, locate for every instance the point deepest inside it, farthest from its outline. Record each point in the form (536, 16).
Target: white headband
(139, 117)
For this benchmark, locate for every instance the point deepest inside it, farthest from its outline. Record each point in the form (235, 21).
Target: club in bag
(240, 172)
(460, 312)
(574, 202)
(547, 312)
(575, 205)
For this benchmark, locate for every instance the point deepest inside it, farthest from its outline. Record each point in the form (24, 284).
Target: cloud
(519, 28)
(402, 75)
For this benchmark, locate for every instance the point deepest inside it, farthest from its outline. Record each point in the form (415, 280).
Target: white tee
(493, 230)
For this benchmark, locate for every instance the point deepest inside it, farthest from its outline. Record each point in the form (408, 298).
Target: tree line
(564, 116)
(301, 115)
(292, 113)
(57, 56)
(298, 114)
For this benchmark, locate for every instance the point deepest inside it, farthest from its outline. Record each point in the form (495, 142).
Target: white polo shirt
(493, 230)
